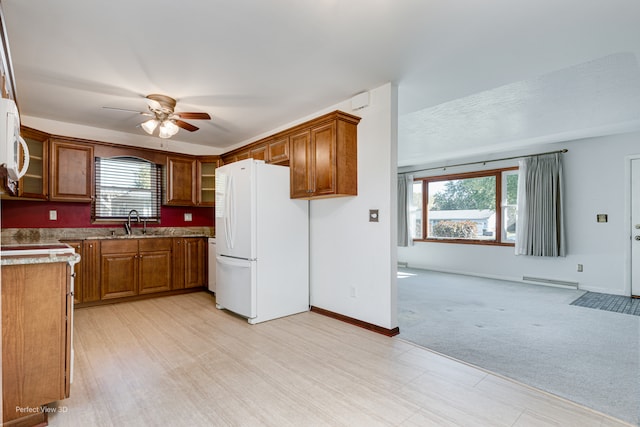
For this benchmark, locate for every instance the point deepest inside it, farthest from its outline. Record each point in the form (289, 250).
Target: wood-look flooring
(177, 361)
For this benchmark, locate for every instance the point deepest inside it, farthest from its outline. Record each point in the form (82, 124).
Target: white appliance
(262, 242)
(211, 255)
(10, 140)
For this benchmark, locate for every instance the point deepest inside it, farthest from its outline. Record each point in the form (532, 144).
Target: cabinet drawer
(118, 246)
(155, 244)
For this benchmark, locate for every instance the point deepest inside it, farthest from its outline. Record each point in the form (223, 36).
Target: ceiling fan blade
(186, 126)
(144, 113)
(193, 116)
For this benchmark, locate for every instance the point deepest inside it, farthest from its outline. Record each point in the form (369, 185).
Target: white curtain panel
(540, 225)
(405, 194)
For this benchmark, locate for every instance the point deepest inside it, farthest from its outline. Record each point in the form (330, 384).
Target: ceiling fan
(163, 116)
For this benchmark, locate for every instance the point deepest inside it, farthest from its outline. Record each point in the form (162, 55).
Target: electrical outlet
(579, 268)
(188, 217)
(53, 215)
(352, 291)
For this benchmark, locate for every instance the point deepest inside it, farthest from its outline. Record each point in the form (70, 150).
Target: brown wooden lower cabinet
(36, 339)
(189, 262)
(115, 269)
(154, 263)
(131, 267)
(90, 278)
(118, 268)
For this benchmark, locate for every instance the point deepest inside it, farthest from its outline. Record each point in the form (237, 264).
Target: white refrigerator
(262, 242)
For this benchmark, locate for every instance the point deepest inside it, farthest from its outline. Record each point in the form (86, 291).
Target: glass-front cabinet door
(34, 184)
(206, 181)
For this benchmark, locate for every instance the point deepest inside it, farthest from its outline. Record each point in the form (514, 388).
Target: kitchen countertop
(13, 236)
(37, 254)
(141, 236)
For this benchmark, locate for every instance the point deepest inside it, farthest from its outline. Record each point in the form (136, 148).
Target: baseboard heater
(552, 282)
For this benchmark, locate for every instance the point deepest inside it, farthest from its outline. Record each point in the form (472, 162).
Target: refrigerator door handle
(234, 262)
(229, 220)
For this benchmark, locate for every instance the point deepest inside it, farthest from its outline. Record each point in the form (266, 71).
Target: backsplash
(35, 214)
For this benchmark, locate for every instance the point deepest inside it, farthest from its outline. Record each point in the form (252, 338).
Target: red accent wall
(32, 214)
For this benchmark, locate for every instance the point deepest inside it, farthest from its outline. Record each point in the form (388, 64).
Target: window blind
(126, 183)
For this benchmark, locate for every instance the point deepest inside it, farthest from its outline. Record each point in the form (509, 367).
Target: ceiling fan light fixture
(168, 129)
(150, 125)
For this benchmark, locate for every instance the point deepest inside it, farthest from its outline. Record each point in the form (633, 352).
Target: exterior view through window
(478, 207)
(126, 183)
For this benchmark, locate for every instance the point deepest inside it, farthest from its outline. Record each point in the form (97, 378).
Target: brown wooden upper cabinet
(321, 153)
(71, 171)
(35, 183)
(206, 181)
(274, 150)
(190, 181)
(259, 153)
(324, 158)
(278, 150)
(181, 181)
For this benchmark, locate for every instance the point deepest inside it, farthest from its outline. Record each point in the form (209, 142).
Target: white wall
(346, 250)
(349, 252)
(594, 183)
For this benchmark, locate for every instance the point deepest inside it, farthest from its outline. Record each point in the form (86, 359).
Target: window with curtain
(126, 183)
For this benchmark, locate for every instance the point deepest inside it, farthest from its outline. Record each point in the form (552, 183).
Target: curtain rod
(564, 150)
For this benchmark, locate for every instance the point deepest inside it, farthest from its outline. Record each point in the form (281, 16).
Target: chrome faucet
(127, 225)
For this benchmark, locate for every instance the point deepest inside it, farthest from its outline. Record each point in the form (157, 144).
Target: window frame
(157, 168)
(500, 180)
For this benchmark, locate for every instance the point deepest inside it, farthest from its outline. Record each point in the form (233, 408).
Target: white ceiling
(521, 68)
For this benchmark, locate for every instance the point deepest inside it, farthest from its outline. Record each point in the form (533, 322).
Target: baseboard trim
(140, 297)
(366, 325)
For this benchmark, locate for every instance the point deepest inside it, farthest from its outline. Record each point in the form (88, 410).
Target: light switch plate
(373, 215)
(188, 217)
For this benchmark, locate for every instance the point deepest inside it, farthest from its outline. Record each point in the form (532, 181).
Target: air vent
(551, 282)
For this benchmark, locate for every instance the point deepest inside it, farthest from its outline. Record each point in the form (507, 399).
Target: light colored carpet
(529, 333)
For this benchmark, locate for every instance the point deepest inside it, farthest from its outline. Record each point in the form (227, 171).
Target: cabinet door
(71, 171)
(206, 182)
(323, 146)
(279, 151)
(259, 153)
(35, 338)
(155, 265)
(77, 272)
(300, 164)
(194, 262)
(90, 271)
(178, 263)
(181, 181)
(119, 268)
(242, 156)
(35, 183)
